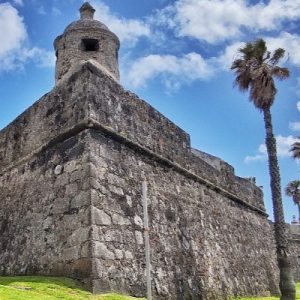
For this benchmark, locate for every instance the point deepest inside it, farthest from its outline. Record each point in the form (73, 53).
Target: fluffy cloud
(41, 10)
(39, 56)
(214, 21)
(290, 42)
(224, 61)
(19, 2)
(128, 30)
(56, 11)
(12, 29)
(175, 70)
(13, 35)
(283, 149)
(295, 126)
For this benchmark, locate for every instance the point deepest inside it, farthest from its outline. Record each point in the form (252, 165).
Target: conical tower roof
(86, 20)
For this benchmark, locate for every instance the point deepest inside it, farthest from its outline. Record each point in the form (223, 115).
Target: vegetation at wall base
(49, 288)
(54, 288)
(271, 298)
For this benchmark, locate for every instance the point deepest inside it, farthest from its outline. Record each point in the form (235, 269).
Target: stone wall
(294, 243)
(45, 213)
(135, 120)
(203, 244)
(71, 171)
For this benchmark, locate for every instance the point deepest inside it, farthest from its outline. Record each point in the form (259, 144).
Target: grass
(52, 288)
(274, 298)
(48, 288)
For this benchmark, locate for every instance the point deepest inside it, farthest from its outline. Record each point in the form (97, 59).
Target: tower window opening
(90, 45)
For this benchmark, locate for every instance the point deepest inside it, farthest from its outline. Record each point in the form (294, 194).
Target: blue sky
(176, 55)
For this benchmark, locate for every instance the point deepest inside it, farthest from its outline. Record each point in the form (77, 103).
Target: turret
(86, 40)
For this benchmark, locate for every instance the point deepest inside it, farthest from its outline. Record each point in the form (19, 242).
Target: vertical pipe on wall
(146, 235)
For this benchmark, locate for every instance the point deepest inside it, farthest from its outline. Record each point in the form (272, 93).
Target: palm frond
(238, 63)
(260, 50)
(295, 149)
(247, 51)
(293, 190)
(243, 81)
(255, 71)
(292, 187)
(262, 90)
(267, 56)
(277, 56)
(280, 73)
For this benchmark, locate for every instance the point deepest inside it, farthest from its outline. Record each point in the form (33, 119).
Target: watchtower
(86, 40)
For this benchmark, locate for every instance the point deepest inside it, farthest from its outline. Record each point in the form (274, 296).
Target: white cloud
(16, 60)
(283, 149)
(298, 90)
(41, 57)
(290, 42)
(224, 61)
(128, 30)
(295, 126)
(219, 20)
(41, 10)
(12, 29)
(56, 11)
(175, 70)
(19, 2)
(13, 35)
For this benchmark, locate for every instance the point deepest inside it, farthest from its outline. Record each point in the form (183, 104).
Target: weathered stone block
(119, 254)
(120, 220)
(113, 236)
(100, 250)
(100, 217)
(71, 253)
(81, 199)
(71, 189)
(139, 237)
(79, 236)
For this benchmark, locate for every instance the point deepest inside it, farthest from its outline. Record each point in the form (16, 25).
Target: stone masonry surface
(70, 185)
(294, 242)
(44, 213)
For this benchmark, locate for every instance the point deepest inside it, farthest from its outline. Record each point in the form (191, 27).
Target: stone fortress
(71, 168)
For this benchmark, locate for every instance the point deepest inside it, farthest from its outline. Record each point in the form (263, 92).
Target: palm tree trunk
(298, 212)
(286, 284)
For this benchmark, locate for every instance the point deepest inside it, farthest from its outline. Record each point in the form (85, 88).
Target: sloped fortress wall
(45, 191)
(71, 169)
(70, 184)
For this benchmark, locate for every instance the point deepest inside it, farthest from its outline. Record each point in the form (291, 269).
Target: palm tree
(296, 149)
(293, 190)
(255, 71)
